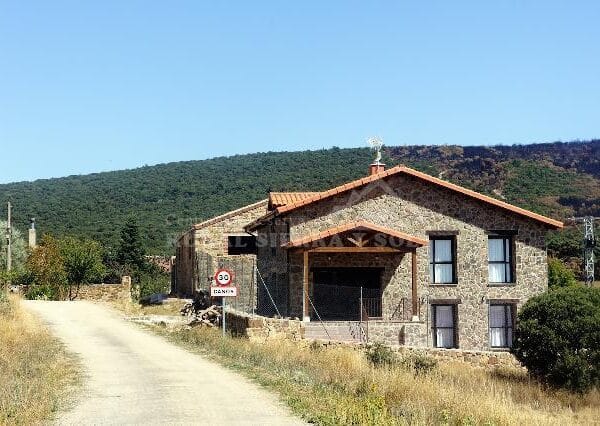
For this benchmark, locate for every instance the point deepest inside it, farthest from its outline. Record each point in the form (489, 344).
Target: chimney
(376, 167)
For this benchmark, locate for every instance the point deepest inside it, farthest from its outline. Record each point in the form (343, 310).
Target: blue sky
(118, 84)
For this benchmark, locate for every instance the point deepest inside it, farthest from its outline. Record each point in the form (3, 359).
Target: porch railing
(372, 307)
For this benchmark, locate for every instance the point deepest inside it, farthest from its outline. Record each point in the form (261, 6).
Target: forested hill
(558, 179)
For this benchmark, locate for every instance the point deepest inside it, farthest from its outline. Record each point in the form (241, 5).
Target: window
(501, 325)
(442, 260)
(241, 244)
(444, 330)
(500, 259)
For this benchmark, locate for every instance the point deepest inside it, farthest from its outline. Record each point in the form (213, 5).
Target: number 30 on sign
(223, 277)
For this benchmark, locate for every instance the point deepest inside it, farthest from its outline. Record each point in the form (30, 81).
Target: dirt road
(136, 378)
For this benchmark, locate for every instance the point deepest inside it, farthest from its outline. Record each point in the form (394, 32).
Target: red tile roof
(280, 199)
(419, 175)
(361, 224)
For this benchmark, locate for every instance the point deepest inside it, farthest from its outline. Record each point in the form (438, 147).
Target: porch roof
(315, 241)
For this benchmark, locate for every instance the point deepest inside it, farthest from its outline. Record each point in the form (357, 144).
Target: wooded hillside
(557, 179)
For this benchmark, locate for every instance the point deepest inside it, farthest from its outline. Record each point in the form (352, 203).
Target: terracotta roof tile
(279, 199)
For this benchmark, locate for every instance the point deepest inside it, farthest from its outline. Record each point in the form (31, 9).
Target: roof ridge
(228, 214)
(415, 173)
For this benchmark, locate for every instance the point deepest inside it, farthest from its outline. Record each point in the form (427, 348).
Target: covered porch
(346, 269)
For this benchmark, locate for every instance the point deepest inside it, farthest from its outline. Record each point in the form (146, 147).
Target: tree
(18, 247)
(82, 260)
(131, 250)
(559, 275)
(558, 337)
(45, 264)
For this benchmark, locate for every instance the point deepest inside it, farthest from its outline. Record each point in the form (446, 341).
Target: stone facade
(410, 205)
(204, 248)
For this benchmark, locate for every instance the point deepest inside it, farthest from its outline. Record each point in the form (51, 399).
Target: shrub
(558, 337)
(421, 364)
(82, 261)
(43, 292)
(380, 355)
(152, 282)
(47, 270)
(559, 275)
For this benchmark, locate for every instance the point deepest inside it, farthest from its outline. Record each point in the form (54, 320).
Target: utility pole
(9, 239)
(589, 243)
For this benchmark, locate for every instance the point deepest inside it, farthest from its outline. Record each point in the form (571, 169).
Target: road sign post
(223, 289)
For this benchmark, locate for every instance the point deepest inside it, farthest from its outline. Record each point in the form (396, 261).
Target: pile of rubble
(201, 312)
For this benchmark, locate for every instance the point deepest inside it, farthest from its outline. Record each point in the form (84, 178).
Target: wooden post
(306, 301)
(415, 300)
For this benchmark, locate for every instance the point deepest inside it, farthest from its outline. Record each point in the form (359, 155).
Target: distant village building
(422, 262)
(220, 242)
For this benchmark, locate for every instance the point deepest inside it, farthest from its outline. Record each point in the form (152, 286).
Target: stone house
(415, 260)
(220, 242)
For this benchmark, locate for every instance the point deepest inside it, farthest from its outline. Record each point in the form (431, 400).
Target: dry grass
(36, 374)
(339, 386)
(128, 307)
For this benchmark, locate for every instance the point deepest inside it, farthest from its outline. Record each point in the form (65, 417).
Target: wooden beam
(305, 300)
(354, 250)
(415, 301)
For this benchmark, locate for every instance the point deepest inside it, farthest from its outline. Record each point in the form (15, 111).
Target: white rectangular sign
(223, 291)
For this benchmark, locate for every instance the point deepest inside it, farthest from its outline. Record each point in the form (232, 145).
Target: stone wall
(261, 328)
(183, 278)
(105, 292)
(475, 358)
(212, 236)
(393, 333)
(200, 250)
(409, 205)
(275, 268)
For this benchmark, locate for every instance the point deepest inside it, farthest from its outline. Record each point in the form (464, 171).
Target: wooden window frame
(509, 323)
(452, 239)
(454, 327)
(511, 258)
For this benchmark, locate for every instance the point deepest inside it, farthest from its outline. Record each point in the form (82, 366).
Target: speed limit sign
(223, 277)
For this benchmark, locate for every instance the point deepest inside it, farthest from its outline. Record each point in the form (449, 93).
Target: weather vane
(376, 145)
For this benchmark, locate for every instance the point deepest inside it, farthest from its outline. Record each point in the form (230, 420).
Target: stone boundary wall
(475, 358)
(483, 359)
(260, 328)
(104, 292)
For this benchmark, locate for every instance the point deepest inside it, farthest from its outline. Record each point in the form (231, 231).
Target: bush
(46, 266)
(380, 355)
(152, 282)
(559, 275)
(558, 337)
(421, 364)
(43, 292)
